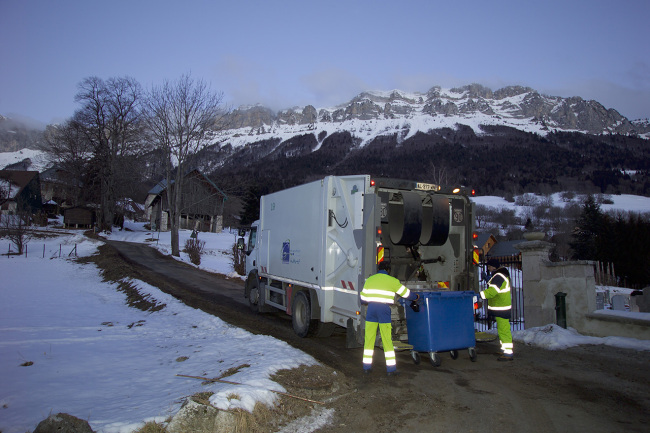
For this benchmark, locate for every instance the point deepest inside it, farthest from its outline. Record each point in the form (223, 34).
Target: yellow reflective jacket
(382, 288)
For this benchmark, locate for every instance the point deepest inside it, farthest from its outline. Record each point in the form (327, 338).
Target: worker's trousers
(385, 329)
(505, 335)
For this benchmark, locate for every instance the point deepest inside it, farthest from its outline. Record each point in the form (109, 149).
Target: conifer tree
(586, 244)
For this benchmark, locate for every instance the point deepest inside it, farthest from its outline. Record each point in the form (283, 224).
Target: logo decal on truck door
(286, 251)
(290, 256)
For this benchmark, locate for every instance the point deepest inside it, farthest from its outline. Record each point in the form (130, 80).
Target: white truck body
(324, 238)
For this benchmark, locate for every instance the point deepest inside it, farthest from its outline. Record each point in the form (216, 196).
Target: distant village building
(79, 217)
(484, 241)
(20, 191)
(57, 188)
(503, 251)
(131, 210)
(202, 204)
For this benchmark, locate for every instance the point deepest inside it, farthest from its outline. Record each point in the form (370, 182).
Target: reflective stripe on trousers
(505, 335)
(386, 339)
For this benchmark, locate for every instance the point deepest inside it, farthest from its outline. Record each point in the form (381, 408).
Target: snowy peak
(473, 105)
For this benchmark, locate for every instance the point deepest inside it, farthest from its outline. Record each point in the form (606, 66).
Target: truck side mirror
(242, 233)
(240, 244)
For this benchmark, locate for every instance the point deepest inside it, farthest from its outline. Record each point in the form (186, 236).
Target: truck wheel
(254, 299)
(301, 316)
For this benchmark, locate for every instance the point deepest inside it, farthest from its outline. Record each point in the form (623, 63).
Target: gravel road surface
(582, 389)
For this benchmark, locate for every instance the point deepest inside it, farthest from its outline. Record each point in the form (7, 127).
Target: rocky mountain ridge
(474, 105)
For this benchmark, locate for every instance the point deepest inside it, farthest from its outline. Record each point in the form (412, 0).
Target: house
(20, 191)
(130, 209)
(504, 251)
(58, 189)
(202, 204)
(484, 242)
(79, 217)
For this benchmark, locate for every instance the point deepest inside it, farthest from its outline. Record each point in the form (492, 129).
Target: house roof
(505, 248)
(159, 187)
(15, 180)
(162, 185)
(17, 177)
(482, 238)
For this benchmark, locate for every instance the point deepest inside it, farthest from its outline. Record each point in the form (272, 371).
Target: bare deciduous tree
(439, 175)
(67, 147)
(180, 115)
(111, 119)
(17, 229)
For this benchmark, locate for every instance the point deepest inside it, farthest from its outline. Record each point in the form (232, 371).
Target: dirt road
(587, 388)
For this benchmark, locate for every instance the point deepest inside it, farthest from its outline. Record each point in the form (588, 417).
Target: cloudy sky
(283, 53)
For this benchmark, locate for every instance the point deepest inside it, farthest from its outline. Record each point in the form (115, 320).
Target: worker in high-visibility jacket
(379, 292)
(500, 305)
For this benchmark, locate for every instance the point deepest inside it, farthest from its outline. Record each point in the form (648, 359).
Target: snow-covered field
(92, 356)
(622, 202)
(38, 158)
(69, 343)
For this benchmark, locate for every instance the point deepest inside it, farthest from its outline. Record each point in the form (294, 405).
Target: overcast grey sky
(286, 53)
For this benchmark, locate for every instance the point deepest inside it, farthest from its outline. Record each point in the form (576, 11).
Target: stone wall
(543, 279)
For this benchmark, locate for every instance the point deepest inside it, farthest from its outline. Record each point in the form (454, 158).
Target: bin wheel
(434, 358)
(415, 356)
(453, 354)
(472, 353)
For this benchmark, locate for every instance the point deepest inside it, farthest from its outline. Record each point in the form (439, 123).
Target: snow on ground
(115, 366)
(69, 343)
(39, 161)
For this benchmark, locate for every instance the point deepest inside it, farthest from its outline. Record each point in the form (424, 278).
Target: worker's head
(384, 266)
(492, 264)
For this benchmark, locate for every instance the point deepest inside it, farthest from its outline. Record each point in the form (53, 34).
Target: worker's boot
(505, 357)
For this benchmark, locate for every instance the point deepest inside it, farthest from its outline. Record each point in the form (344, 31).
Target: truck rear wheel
(301, 315)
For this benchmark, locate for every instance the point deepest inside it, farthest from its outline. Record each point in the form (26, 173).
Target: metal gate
(513, 264)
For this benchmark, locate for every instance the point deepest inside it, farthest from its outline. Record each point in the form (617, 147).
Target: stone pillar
(539, 310)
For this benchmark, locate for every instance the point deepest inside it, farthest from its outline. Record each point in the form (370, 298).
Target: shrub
(238, 260)
(194, 248)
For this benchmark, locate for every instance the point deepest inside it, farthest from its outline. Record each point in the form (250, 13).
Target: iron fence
(483, 321)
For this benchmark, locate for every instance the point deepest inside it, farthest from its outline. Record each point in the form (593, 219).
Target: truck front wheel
(254, 299)
(301, 315)
(254, 291)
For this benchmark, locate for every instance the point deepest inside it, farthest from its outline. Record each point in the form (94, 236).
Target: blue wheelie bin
(444, 323)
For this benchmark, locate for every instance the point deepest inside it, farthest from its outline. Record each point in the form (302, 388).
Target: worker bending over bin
(499, 305)
(379, 293)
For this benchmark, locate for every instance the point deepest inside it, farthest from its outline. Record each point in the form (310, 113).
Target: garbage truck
(315, 244)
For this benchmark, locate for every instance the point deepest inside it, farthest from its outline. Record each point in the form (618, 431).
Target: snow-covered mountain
(528, 140)
(372, 114)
